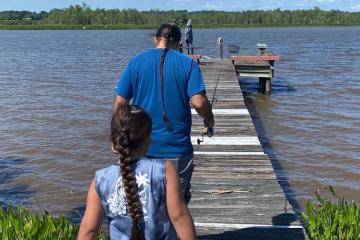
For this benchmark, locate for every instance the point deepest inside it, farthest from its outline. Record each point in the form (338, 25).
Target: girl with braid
(140, 197)
(163, 82)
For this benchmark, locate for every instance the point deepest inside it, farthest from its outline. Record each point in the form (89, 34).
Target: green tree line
(84, 15)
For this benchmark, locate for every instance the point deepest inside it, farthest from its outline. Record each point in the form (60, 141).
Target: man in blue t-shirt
(163, 82)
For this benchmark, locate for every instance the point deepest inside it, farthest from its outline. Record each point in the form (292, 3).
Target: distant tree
(84, 15)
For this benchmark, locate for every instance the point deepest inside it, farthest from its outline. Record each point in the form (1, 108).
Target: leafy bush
(18, 223)
(332, 221)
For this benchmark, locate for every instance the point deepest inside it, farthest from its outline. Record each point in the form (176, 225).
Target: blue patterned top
(150, 177)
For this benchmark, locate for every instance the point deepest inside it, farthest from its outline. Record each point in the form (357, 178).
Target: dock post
(272, 63)
(220, 47)
(268, 85)
(265, 84)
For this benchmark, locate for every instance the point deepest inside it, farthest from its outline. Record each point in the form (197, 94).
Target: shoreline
(145, 27)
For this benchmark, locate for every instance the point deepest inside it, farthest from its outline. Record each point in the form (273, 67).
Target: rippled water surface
(56, 98)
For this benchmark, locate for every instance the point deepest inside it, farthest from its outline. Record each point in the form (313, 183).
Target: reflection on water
(56, 98)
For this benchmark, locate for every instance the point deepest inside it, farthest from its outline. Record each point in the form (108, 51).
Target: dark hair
(170, 32)
(172, 35)
(130, 127)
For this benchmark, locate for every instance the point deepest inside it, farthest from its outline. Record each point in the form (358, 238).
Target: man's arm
(119, 100)
(202, 106)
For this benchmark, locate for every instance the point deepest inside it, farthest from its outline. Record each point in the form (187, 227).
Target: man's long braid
(172, 36)
(162, 83)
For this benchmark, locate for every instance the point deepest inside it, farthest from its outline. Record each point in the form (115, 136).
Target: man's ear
(113, 148)
(155, 41)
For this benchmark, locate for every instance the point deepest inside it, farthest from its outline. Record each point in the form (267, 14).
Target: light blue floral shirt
(150, 177)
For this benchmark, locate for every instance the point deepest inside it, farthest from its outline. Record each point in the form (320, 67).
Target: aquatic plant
(19, 223)
(330, 220)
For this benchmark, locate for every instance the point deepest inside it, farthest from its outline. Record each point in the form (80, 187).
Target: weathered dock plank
(235, 191)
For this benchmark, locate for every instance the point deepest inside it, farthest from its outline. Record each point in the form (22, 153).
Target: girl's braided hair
(130, 127)
(172, 35)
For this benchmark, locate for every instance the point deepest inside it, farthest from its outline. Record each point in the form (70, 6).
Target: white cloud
(209, 5)
(214, 5)
(325, 1)
(357, 7)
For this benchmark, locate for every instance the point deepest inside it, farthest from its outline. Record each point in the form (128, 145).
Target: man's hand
(119, 100)
(203, 108)
(209, 127)
(209, 122)
(208, 131)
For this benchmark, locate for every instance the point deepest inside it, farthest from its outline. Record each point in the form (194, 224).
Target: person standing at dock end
(162, 81)
(189, 37)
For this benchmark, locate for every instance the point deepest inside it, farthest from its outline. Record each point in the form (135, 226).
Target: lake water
(56, 96)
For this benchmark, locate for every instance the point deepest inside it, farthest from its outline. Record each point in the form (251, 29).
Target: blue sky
(190, 5)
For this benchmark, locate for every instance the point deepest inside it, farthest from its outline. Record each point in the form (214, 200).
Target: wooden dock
(235, 192)
(259, 66)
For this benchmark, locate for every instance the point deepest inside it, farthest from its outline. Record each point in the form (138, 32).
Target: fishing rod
(210, 131)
